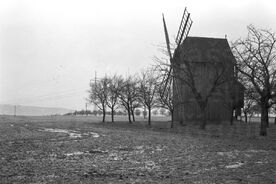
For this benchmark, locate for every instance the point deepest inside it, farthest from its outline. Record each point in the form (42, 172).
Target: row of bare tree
(135, 91)
(255, 68)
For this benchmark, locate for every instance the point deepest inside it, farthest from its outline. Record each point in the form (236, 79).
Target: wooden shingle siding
(203, 54)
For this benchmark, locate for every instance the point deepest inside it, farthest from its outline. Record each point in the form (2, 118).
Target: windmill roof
(203, 49)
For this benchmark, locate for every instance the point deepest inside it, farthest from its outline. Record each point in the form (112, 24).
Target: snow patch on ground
(139, 147)
(256, 151)
(262, 162)
(235, 153)
(71, 133)
(234, 166)
(75, 153)
(95, 135)
(230, 154)
(154, 148)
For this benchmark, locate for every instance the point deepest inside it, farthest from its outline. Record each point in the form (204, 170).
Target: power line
(15, 111)
(55, 97)
(51, 96)
(41, 97)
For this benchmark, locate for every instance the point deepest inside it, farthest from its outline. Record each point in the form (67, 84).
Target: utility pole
(86, 109)
(95, 77)
(14, 112)
(95, 107)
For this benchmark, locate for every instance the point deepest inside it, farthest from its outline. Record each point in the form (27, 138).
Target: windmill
(183, 31)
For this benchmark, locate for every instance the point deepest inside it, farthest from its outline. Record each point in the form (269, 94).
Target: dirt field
(82, 150)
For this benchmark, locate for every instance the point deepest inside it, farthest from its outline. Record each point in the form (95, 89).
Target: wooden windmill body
(201, 53)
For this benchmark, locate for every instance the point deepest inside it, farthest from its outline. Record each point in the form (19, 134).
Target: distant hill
(31, 110)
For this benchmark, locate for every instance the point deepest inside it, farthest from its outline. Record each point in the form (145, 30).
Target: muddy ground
(83, 150)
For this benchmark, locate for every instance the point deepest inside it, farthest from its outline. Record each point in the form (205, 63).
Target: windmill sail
(181, 22)
(183, 31)
(166, 78)
(184, 27)
(167, 38)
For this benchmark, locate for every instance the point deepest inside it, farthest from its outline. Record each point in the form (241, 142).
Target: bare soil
(83, 150)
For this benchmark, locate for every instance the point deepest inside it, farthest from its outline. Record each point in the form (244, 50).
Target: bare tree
(185, 73)
(114, 84)
(165, 98)
(236, 98)
(138, 112)
(250, 99)
(98, 95)
(230, 104)
(134, 104)
(162, 111)
(256, 61)
(165, 89)
(274, 109)
(148, 90)
(248, 109)
(129, 96)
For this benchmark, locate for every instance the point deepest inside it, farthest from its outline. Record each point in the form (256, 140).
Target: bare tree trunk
(264, 120)
(103, 115)
(144, 113)
(236, 115)
(267, 123)
(132, 113)
(245, 117)
(181, 121)
(203, 117)
(172, 119)
(129, 115)
(112, 114)
(231, 117)
(231, 120)
(128, 112)
(149, 116)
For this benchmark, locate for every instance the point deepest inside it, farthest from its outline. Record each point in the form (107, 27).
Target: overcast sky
(49, 50)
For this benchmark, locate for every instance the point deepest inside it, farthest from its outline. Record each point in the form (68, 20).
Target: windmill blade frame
(182, 33)
(184, 27)
(169, 52)
(167, 37)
